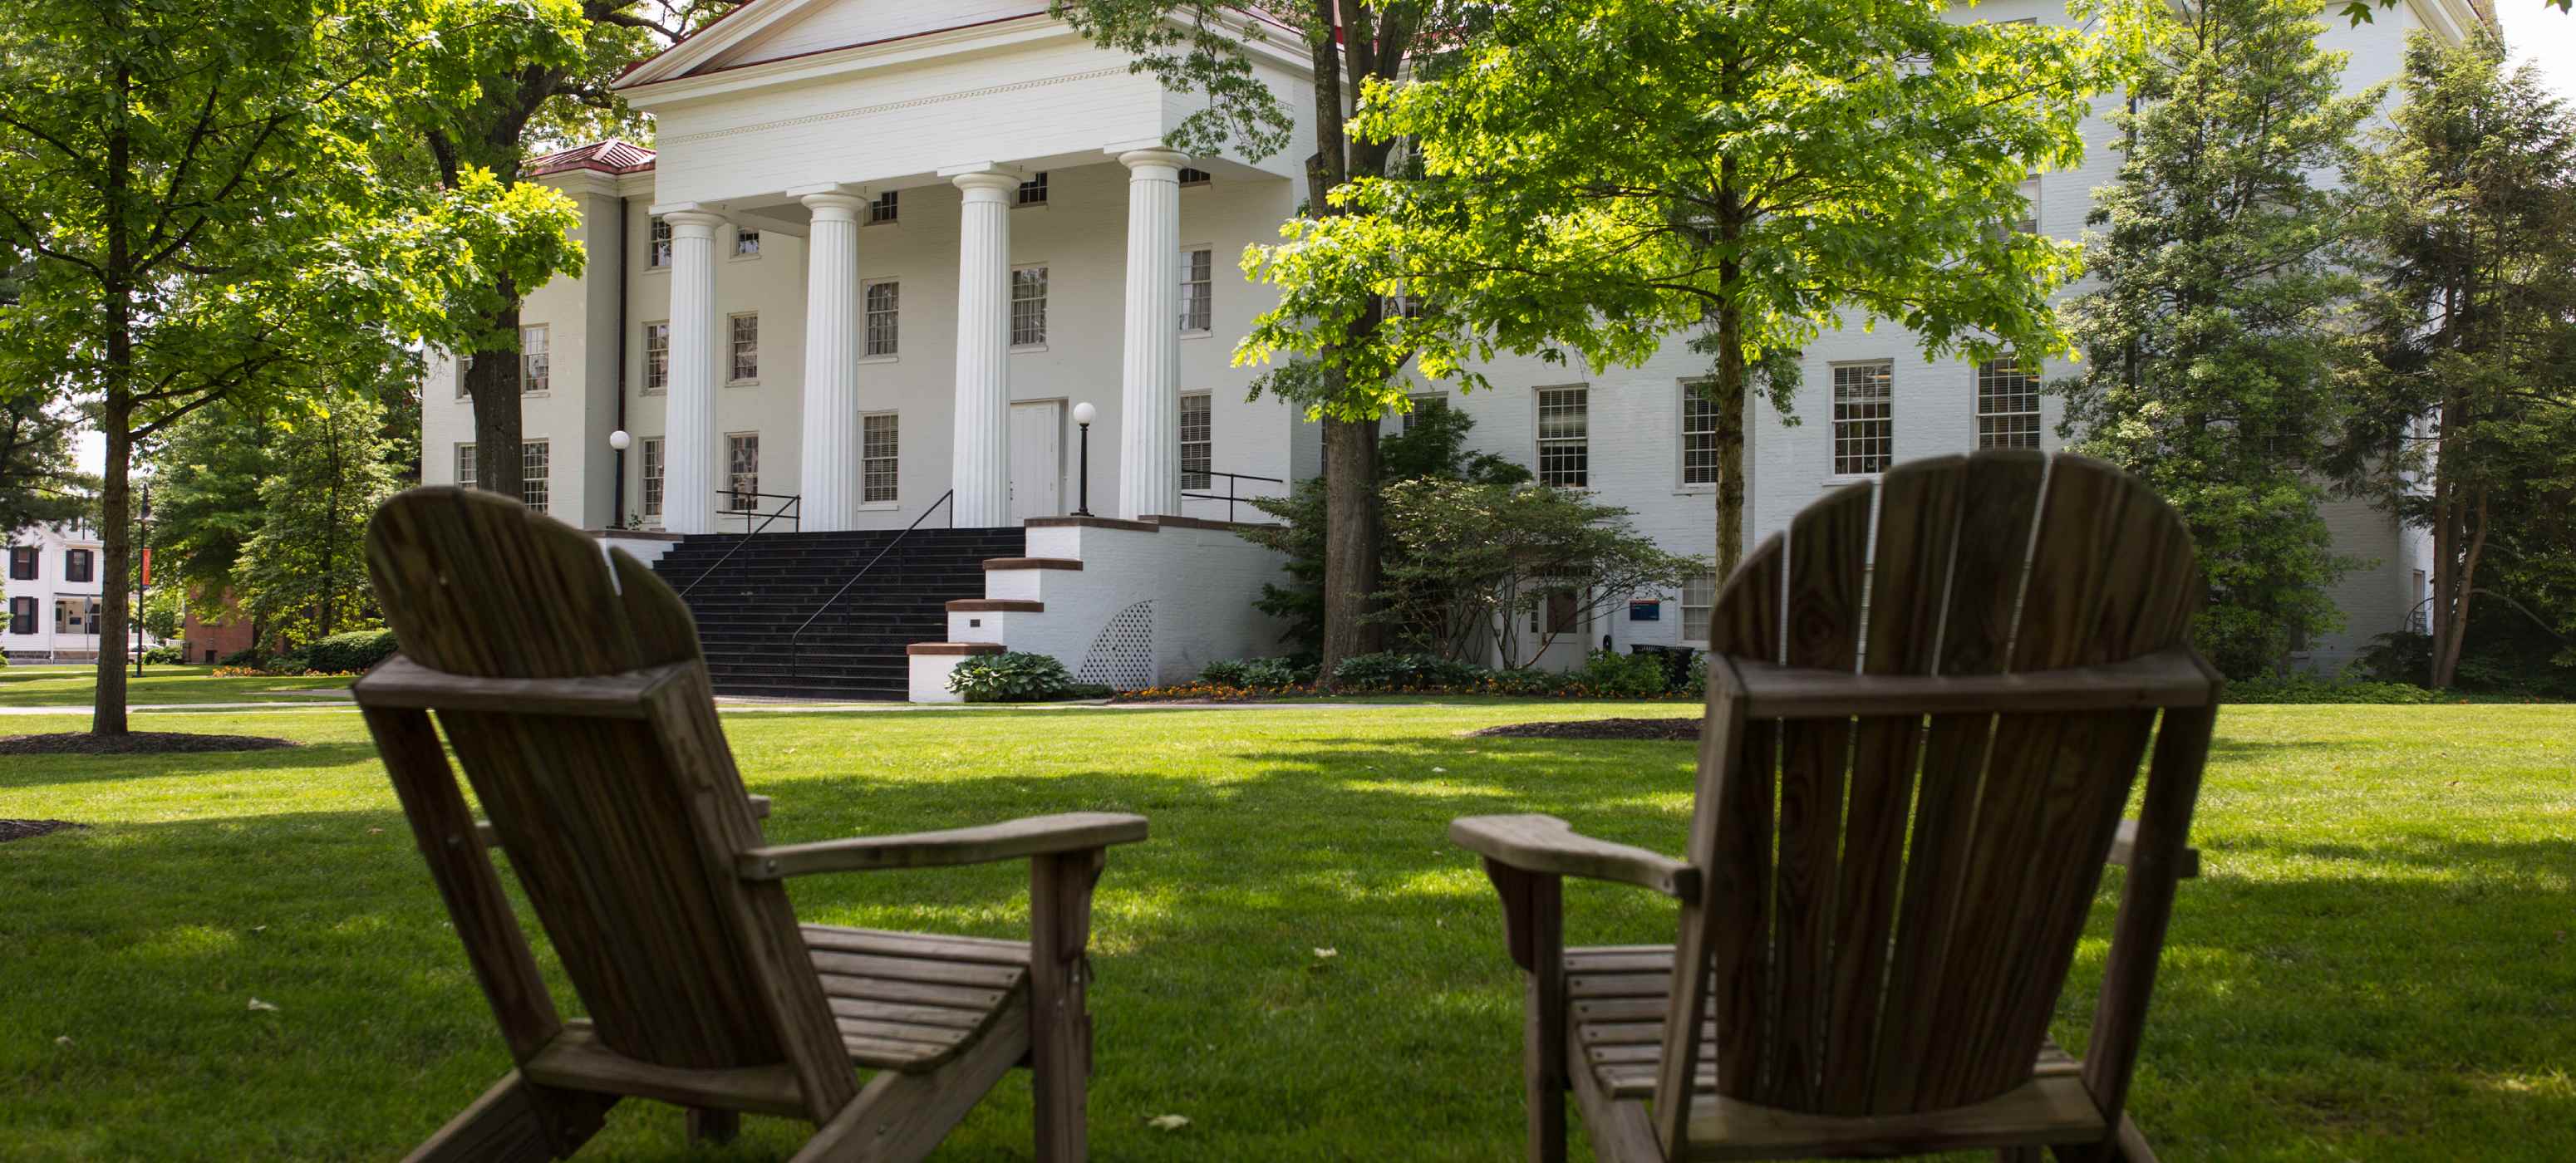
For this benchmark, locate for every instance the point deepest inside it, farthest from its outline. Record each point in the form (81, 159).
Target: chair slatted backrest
(1894, 901)
(621, 830)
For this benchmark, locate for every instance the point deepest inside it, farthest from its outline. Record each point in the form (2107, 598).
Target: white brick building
(773, 303)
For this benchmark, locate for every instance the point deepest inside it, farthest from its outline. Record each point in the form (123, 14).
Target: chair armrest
(1547, 845)
(2174, 677)
(2124, 845)
(484, 835)
(984, 844)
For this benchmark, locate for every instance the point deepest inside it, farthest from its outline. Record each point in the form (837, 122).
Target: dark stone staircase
(749, 608)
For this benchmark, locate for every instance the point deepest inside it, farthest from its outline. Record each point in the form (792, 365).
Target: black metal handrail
(748, 532)
(796, 641)
(1229, 498)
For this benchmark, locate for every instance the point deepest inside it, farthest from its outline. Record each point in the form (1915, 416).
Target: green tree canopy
(1599, 176)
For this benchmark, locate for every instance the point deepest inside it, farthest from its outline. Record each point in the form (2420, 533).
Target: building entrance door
(1037, 459)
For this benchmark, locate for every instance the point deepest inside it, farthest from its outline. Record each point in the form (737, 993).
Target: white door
(1037, 459)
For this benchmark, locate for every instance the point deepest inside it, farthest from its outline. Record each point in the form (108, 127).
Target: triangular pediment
(776, 30)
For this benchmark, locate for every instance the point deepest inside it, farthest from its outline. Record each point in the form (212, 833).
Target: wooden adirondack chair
(1917, 750)
(574, 693)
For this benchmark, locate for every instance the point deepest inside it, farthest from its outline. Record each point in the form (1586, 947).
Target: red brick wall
(202, 642)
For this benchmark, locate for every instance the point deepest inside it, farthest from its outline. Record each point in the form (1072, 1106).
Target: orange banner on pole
(147, 565)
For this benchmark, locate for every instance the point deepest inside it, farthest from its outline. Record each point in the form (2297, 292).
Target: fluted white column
(828, 475)
(1149, 468)
(689, 427)
(981, 466)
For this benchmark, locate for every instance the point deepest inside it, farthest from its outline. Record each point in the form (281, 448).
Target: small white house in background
(887, 247)
(54, 590)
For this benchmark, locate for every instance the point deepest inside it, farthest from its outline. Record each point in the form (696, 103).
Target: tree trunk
(2446, 652)
(1730, 373)
(1351, 521)
(493, 382)
(116, 422)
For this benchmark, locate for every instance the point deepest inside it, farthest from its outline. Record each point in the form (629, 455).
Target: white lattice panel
(1123, 655)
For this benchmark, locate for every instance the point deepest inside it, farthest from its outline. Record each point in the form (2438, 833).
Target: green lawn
(74, 686)
(2376, 966)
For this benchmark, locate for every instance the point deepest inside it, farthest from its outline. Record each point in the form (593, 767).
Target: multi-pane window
(465, 465)
(1699, 435)
(657, 358)
(885, 208)
(1033, 192)
(1196, 432)
(534, 457)
(1193, 176)
(880, 445)
(1565, 437)
(746, 244)
(1864, 417)
(2007, 405)
(2029, 223)
(657, 248)
(536, 360)
(745, 331)
(75, 615)
(22, 562)
(1198, 269)
(80, 565)
(22, 615)
(1699, 595)
(1424, 407)
(1028, 306)
(652, 478)
(884, 322)
(742, 471)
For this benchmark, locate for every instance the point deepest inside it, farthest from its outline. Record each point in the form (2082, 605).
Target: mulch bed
(30, 829)
(1677, 728)
(135, 743)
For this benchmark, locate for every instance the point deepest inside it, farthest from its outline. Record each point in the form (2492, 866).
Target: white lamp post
(1083, 414)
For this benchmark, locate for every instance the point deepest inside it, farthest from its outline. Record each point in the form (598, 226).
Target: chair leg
(1534, 925)
(713, 1127)
(1059, 1008)
(516, 1121)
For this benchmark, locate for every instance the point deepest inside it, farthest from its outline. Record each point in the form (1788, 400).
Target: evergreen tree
(2211, 343)
(2465, 422)
(303, 571)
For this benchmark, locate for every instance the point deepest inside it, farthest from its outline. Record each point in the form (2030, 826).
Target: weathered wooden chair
(574, 694)
(1911, 776)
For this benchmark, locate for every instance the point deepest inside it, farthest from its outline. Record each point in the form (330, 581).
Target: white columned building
(1149, 471)
(833, 335)
(689, 448)
(982, 422)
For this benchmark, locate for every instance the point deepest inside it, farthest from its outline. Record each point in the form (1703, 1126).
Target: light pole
(1083, 415)
(143, 575)
(617, 442)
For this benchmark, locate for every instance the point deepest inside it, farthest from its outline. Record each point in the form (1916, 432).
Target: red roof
(605, 157)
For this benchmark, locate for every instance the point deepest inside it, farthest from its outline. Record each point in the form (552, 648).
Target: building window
(884, 323)
(1424, 407)
(1198, 268)
(2007, 405)
(1033, 192)
(746, 244)
(22, 615)
(657, 358)
(657, 249)
(22, 562)
(1564, 437)
(884, 209)
(2029, 223)
(1028, 306)
(745, 330)
(880, 444)
(536, 362)
(75, 615)
(80, 565)
(1864, 418)
(652, 478)
(533, 459)
(1196, 432)
(465, 465)
(1699, 595)
(742, 471)
(1193, 176)
(1699, 434)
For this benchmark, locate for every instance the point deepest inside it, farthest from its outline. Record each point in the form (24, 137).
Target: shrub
(1632, 675)
(1013, 677)
(1396, 670)
(2304, 689)
(163, 656)
(349, 653)
(248, 658)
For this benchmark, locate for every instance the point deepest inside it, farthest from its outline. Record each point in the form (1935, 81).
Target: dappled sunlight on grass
(2376, 964)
